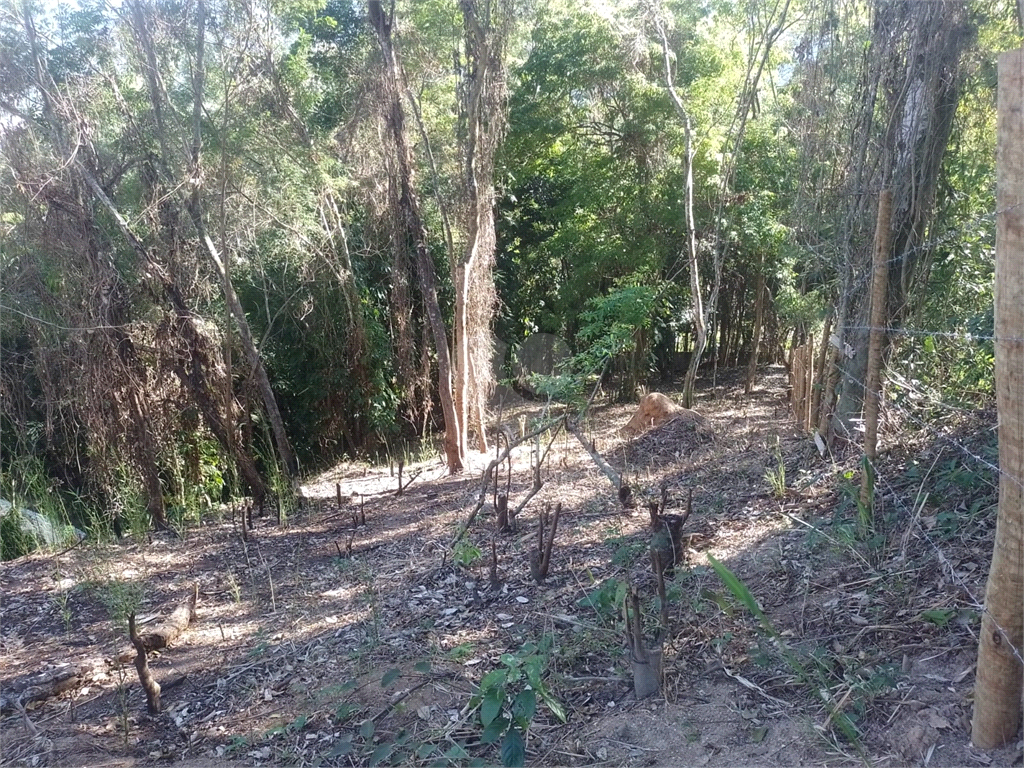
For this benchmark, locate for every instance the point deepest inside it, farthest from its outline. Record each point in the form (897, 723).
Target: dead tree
(149, 684)
(506, 522)
(414, 229)
(624, 491)
(541, 557)
(667, 542)
(644, 660)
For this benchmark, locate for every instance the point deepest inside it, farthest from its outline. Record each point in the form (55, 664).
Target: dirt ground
(332, 641)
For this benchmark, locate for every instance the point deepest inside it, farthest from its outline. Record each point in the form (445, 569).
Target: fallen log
(38, 686)
(166, 632)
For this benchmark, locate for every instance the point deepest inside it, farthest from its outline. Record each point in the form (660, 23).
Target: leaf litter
(333, 642)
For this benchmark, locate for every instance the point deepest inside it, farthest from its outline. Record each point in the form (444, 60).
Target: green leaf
(366, 729)
(939, 617)
(508, 660)
(494, 679)
(423, 667)
(341, 747)
(739, 591)
(494, 730)
(456, 752)
(344, 711)
(381, 753)
(491, 706)
(389, 677)
(524, 707)
(553, 704)
(513, 748)
(424, 751)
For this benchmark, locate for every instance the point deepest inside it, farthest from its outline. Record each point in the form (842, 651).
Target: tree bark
(916, 72)
(415, 230)
(700, 328)
(879, 318)
(997, 691)
(193, 207)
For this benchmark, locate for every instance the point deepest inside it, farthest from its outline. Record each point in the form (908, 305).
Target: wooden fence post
(997, 691)
(879, 320)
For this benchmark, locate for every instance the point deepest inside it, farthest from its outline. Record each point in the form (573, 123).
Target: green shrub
(15, 541)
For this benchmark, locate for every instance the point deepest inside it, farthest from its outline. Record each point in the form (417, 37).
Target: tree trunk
(482, 110)
(873, 382)
(916, 69)
(415, 230)
(755, 341)
(700, 330)
(997, 691)
(193, 207)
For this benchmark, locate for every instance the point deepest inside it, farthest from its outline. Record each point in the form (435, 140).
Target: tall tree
(482, 106)
(914, 72)
(192, 169)
(412, 226)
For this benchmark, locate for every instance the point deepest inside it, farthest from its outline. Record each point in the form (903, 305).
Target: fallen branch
(537, 482)
(603, 465)
(39, 686)
(486, 476)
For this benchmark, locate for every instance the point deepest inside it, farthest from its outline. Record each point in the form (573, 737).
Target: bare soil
(330, 641)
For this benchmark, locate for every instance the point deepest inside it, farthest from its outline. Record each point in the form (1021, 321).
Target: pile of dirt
(674, 440)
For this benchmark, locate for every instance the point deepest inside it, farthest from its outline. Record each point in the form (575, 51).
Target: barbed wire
(965, 336)
(880, 477)
(931, 428)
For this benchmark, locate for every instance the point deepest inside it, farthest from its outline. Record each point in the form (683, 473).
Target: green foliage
(812, 675)
(465, 553)
(331, 401)
(507, 699)
(119, 597)
(14, 540)
(776, 478)
(607, 599)
(626, 553)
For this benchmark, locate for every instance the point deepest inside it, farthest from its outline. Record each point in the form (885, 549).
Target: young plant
(808, 675)
(507, 700)
(776, 478)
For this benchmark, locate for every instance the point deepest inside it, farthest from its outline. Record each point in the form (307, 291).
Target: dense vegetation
(240, 239)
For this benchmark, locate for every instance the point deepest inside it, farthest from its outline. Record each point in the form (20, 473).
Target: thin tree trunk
(193, 207)
(700, 330)
(755, 342)
(395, 119)
(879, 319)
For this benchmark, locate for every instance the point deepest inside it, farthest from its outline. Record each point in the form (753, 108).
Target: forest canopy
(241, 240)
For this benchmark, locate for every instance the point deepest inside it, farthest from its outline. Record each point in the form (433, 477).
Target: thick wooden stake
(873, 385)
(997, 691)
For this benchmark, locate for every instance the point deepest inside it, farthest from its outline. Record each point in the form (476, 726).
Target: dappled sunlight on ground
(368, 612)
